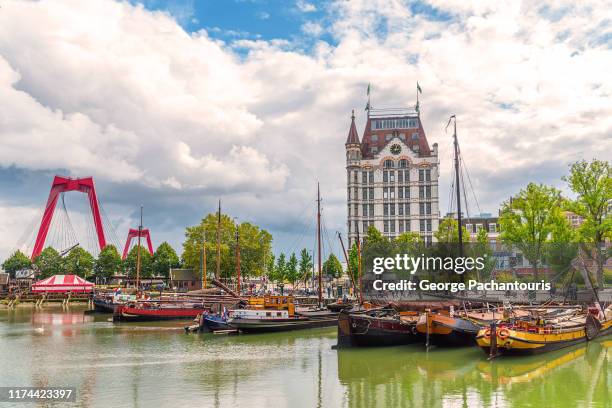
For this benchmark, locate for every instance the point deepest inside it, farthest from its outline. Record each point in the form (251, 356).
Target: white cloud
(305, 7)
(312, 28)
(125, 94)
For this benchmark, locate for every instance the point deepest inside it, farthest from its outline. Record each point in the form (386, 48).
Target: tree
(449, 233)
(17, 261)
(109, 262)
(164, 258)
(527, 221)
(305, 265)
(592, 183)
(79, 262)
(374, 236)
(49, 263)
(332, 267)
(292, 272)
(353, 260)
(270, 266)
(255, 246)
(146, 263)
(278, 275)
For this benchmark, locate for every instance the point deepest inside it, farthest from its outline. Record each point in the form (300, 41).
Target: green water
(152, 365)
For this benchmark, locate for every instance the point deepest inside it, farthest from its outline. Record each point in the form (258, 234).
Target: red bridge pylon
(133, 233)
(61, 185)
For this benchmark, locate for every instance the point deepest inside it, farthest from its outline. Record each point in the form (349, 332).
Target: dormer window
(374, 138)
(403, 163)
(388, 164)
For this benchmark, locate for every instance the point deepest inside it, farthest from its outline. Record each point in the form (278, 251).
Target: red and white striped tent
(63, 284)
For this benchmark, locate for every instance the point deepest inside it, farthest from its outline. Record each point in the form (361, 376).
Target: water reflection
(150, 364)
(409, 376)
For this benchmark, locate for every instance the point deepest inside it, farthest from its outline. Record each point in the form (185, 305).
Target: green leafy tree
(353, 261)
(146, 263)
(49, 263)
(449, 233)
(279, 274)
(592, 183)
(17, 261)
(79, 262)
(374, 236)
(164, 258)
(255, 246)
(332, 267)
(292, 271)
(305, 265)
(270, 266)
(109, 262)
(528, 220)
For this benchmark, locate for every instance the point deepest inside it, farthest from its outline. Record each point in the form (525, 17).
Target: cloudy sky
(175, 104)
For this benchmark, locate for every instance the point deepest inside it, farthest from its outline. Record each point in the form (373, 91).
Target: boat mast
(203, 261)
(238, 258)
(458, 186)
(218, 271)
(138, 253)
(319, 243)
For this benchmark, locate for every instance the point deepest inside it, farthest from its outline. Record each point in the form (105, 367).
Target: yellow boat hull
(515, 342)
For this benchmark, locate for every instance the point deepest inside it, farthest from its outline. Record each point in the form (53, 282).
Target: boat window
(268, 314)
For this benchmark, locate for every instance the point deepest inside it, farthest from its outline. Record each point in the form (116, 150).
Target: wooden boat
(276, 313)
(339, 306)
(107, 302)
(544, 333)
(147, 311)
(377, 328)
(456, 329)
(213, 323)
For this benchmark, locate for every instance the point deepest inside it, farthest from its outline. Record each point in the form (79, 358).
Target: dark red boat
(157, 311)
(376, 328)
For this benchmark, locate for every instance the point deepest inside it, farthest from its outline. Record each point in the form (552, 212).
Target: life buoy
(487, 333)
(503, 334)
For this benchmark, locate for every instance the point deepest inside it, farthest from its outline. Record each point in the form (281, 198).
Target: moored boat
(377, 327)
(543, 334)
(455, 329)
(147, 311)
(276, 313)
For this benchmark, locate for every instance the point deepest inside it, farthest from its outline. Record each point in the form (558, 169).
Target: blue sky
(229, 20)
(175, 104)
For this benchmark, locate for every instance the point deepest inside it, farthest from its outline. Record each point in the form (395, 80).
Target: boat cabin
(273, 303)
(259, 314)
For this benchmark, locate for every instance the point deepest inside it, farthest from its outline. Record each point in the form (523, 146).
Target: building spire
(353, 137)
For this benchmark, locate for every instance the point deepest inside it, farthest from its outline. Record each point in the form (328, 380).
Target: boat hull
(520, 343)
(127, 313)
(214, 323)
(278, 325)
(104, 306)
(447, 331)
(362, 330)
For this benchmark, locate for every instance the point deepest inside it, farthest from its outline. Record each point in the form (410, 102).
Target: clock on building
(396, 149)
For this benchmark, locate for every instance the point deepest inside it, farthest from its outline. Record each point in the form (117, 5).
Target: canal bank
(156, 364)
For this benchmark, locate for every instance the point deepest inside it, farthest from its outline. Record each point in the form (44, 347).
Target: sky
(174, 105)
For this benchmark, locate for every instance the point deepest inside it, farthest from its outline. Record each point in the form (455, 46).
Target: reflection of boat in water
(526, 371)
(545, 333)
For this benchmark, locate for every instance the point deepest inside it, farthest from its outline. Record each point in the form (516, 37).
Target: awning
(63, 284)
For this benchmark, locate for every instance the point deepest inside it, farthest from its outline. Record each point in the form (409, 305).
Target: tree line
(108, 263)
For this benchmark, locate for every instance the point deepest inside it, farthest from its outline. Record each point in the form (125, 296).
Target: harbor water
(157, 365)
